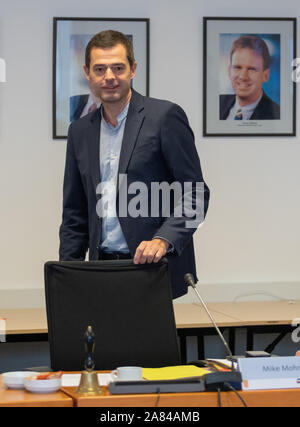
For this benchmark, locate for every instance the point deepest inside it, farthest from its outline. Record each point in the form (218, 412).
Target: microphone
(190, 281)
(217, 380)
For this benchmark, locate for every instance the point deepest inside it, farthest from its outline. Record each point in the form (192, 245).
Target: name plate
(261, 373)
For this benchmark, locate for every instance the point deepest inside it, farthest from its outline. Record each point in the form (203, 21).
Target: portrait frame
(276, 116)
(70, 37)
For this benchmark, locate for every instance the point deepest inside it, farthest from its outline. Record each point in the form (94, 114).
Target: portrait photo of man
(73, 98)
(249, 70)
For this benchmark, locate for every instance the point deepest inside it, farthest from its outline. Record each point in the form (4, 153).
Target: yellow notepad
(173, 372)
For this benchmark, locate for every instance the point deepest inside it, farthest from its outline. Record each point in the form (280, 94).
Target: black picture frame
(70, 36)
(219, 98)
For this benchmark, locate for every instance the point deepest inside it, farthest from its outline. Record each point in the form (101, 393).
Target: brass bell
(89, 380)
(89, 384)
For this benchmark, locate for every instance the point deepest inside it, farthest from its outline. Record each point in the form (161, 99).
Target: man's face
(110, 74)
(247, 75)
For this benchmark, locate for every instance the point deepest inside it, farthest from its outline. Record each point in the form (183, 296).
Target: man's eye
(118, 68)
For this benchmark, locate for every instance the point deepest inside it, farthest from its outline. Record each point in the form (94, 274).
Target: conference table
(253, 398)
(191, 320)
(257, 317)
(30, 324)
(68, 397)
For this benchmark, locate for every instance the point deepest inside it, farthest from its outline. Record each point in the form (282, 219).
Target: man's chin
(110, 97)
(243, 94)
(245, 99)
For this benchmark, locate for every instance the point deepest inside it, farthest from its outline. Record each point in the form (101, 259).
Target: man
(130, 140)
(249, 68)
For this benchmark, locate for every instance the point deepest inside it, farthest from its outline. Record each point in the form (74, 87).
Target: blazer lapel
(94, 148)
(134, 120)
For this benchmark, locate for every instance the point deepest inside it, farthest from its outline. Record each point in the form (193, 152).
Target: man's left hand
(150, 251)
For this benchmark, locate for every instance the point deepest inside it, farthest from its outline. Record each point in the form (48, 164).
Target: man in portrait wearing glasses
(248, 70)
(133, 140)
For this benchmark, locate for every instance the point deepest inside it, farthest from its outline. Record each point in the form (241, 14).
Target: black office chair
(128, 306)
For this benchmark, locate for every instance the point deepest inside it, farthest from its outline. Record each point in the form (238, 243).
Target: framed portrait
(248, 85)
(71, 93)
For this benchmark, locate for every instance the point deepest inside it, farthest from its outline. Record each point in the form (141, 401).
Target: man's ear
(133, 70)
(229, 71)
(266, 74)
(87, 72)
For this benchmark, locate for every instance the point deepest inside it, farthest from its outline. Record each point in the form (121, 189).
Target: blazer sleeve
(74, 233)
(180, 154)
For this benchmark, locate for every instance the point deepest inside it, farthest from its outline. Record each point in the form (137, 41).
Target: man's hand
(150, 251)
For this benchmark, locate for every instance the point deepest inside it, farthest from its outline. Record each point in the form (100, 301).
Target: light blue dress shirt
(110, 147)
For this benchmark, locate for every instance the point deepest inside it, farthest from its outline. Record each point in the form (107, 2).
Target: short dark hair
(255, 43)
(106, 39)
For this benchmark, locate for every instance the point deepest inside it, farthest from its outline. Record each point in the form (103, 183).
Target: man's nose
(109, 74)
(244, 74)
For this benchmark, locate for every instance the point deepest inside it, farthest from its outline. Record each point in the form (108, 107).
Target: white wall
(251, 237)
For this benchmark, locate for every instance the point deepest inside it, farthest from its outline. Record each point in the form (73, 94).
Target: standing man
(249, 68)
(129, 142)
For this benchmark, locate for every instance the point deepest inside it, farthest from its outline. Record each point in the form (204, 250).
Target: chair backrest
(128, 306)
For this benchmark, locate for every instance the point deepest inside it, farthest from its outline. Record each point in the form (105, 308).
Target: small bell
(89, 384)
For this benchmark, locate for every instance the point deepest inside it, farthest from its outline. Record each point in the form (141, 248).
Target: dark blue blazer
(158, 146)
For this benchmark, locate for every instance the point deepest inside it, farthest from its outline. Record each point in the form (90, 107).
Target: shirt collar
(120, 118)
(246, 108)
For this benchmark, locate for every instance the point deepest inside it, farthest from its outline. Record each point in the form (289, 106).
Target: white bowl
(43, 386)
(16, 379)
